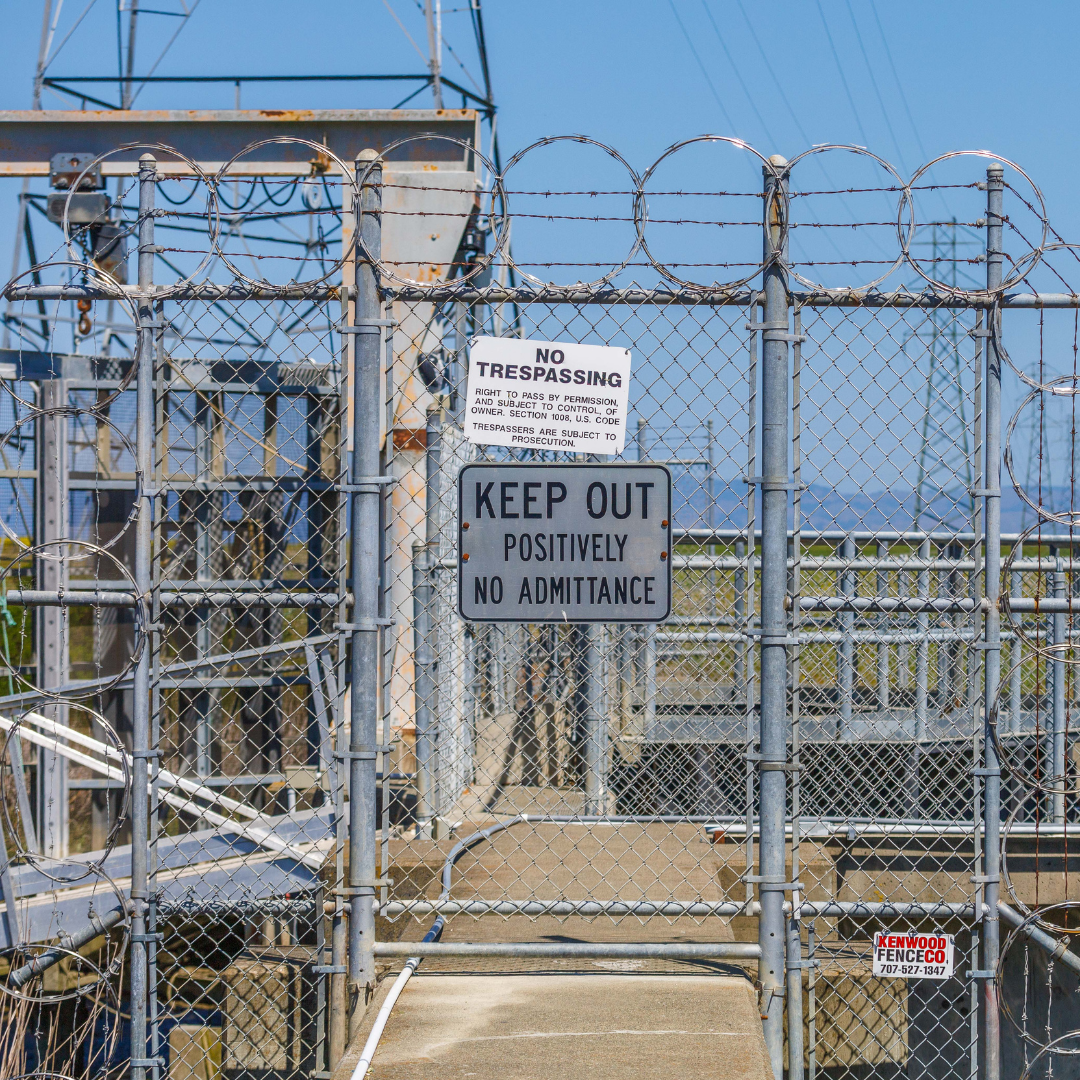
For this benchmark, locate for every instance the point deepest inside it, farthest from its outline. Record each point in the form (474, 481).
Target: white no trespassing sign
(547, 395)
(912, 956)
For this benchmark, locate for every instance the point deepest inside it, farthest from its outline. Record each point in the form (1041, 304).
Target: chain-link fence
(251, 742)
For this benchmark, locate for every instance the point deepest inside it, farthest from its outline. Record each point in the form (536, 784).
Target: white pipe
(372, 1044)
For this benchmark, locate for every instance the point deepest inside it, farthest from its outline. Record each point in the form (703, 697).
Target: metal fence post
(775, 443)
(995, 187)
(1016, 581)
(595, 725)
(846, 653)
(882, 589)
(922, 646)
(425, 558)
(366, 575)
(140, 740)
(1057, 761)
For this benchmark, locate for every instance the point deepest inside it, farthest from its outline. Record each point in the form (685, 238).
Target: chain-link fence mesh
(203, 663)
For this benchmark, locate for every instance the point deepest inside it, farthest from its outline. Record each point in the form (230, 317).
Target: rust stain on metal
(410, 438)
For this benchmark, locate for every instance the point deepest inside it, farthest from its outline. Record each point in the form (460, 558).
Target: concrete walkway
(565, 1027)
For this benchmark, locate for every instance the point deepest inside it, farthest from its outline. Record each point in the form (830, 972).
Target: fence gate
(235, 652)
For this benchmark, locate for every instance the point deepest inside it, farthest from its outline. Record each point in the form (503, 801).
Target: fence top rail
(553, 294)
(721, 297)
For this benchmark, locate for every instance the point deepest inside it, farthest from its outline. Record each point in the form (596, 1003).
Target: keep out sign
(910, 955)
(564, 543)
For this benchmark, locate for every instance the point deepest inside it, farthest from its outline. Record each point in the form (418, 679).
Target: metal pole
(595, 726)
(995, 187)
(922, 649)
(425, 557)
(433, 16)
(140, 736)
(54, 625)
(882, 589)
(1057, 764)
(366, 582)
(647, 674)
(846, 673)
(1016, 687)
(775, 438)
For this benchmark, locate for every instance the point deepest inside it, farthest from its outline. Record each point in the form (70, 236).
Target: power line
(843, 77)
(772, 74)
(899, 84)
(874, 83)
(704, 71)
(738, 74)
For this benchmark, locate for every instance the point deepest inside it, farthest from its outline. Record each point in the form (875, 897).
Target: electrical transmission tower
(945, 476)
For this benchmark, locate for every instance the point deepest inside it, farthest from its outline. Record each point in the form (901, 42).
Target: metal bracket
(364, 625)
(980, 973)
(774, 485)
(354, 890)
(147, 1063)
(768, 883)
(778, 335)
(981, 331)
(985, 646)
(781, 324)
(366, 326)
(146, 753)
(985, 772)
(771, 639)
(362, 483)
(146, 939)
(771, 766)
(985, 493)
(365, 753)
(985, 879)
(329, 969)
(804, 965)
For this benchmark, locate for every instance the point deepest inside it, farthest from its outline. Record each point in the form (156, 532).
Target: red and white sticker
(907, 955)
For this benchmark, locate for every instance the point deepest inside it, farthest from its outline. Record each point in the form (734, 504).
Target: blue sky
(908, 81)
(987, 74)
